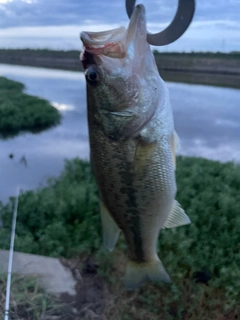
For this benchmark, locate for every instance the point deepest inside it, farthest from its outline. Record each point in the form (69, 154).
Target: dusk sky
(56, 24)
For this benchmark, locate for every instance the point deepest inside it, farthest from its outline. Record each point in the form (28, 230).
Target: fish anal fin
(110, 229)
(176, 141)
(177, 217)
(139, 273)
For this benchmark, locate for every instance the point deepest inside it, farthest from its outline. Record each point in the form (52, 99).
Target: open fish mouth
(114, 43)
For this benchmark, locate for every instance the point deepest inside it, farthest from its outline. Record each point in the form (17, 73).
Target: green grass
(63, 219)
(20, 112)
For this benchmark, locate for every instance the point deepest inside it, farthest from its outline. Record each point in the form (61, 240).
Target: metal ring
(178, 26)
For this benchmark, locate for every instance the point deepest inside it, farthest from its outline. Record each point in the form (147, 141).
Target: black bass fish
(132, 143)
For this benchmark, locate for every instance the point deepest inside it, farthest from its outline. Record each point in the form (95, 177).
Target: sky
(56, 24)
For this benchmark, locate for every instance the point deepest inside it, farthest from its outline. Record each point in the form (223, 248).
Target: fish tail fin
(139, 273)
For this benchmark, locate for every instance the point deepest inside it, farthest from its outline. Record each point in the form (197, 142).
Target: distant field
(219, 69)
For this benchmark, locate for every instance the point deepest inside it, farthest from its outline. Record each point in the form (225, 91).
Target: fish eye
(92, 76)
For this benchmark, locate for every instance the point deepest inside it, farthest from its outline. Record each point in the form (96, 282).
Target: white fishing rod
(10, 260)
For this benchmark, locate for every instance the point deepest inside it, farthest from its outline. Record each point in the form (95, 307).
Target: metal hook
(178, 26)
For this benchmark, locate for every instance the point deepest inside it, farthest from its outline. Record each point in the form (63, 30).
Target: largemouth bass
(132, 143)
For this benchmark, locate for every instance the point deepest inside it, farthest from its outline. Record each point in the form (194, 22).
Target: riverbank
(218, 69)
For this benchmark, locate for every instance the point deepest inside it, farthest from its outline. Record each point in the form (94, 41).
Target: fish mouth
(115, 43)
(106, 42)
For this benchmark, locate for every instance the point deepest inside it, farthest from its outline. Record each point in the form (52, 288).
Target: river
(207, 120)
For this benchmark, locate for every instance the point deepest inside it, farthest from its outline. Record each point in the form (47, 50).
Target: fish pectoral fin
(110, 229)
(139, 273)
(177, 217)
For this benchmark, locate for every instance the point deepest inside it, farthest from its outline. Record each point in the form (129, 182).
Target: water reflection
(206, 118)
(62, 106)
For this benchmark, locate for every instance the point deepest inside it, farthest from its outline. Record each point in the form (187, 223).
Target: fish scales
(131, 174)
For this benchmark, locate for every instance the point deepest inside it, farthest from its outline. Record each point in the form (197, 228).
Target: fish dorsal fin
(177, 217)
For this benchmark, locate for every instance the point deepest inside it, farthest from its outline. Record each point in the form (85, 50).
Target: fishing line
(10, 259)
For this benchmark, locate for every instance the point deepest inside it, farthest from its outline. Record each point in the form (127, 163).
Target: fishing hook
(177, 27)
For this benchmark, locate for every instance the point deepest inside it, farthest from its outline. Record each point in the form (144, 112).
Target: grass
(20, 112)
(63, 219)
(28, 300)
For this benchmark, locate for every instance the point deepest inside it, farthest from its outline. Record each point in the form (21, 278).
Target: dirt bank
(200, 68)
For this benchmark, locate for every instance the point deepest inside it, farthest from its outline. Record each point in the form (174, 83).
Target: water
(206, 118)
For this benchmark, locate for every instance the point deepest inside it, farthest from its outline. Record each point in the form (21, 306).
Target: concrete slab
(53, 276)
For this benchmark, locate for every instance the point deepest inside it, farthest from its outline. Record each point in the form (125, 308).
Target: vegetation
(202, 259)
(59, 220)
(201, 54)
(28, 300)
(20, 112)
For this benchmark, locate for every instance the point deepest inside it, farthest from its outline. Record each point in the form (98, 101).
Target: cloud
(62, 12)
(68, 31)
(57, 24)
(5, 1)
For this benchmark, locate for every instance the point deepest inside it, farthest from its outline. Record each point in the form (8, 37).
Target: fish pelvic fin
(139, 273)
(110, 229)
(177, 217)
(177, 142)
(175, 145)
